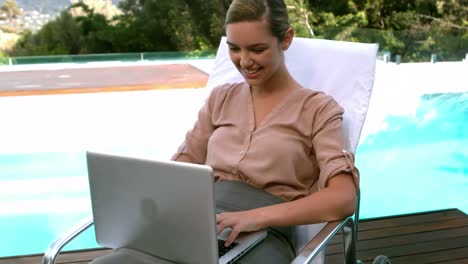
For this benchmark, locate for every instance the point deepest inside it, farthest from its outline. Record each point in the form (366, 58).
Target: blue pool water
(418, 162)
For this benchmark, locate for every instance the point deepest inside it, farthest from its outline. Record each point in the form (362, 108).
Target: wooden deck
(433, 237)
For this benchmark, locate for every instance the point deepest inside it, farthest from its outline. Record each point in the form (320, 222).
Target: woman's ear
(288, 37)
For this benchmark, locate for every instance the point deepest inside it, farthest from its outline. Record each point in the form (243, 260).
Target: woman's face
(255, 52)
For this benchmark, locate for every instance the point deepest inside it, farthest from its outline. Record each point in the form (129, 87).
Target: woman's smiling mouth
(251, 73)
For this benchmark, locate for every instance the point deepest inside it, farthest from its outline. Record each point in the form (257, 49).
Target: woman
(271, 133)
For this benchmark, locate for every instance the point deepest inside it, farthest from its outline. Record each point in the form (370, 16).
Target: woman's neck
(282, 82)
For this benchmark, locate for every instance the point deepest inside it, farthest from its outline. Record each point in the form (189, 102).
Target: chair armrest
(320, 241)
(56, 246)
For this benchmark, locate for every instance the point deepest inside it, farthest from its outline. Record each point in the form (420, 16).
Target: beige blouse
(294, 151)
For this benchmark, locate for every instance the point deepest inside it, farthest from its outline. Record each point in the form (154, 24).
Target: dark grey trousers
(277, 248)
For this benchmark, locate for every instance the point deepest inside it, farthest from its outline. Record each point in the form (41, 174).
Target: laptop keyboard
(222, 250)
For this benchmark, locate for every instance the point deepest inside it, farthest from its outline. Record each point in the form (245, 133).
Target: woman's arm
(334, 202)
(194, 147)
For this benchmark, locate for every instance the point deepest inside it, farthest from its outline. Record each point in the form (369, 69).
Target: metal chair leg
(349, 239)
(56, 246)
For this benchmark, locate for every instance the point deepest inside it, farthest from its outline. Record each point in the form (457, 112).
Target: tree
(411, 28)
(152, 25)
(300, 17)
(60, 36)
(10, 7)
(104, 7)
(95, 30)
(207, 18)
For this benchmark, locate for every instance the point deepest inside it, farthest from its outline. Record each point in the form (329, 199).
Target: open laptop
(165, 209)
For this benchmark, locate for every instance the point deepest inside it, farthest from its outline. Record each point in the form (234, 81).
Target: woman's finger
(219, 218)
(234, 233)
(222, 223)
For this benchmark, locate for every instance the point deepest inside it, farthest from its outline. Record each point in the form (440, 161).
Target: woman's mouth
(251, 73)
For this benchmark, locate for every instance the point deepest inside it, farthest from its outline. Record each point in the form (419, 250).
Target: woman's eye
(234, 48)
(258, 50)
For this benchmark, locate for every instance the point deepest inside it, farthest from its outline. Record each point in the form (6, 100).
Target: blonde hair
(273, 11)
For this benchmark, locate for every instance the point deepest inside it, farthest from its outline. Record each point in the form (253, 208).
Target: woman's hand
(243, 221)
(334, 202)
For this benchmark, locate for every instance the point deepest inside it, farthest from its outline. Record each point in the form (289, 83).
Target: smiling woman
(257, 35)
(271, 133)
(258, 55)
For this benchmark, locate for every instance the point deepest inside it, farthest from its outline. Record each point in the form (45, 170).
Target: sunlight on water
(420, 162)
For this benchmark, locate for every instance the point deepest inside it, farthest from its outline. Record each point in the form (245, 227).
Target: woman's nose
(245, 59)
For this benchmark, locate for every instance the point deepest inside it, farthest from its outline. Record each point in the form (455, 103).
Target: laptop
(165, 209)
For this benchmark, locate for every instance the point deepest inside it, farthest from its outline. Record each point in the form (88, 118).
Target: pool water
(416, 162)
(420, 162)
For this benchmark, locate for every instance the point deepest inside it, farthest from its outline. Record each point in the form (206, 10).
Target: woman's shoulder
(229, 87)
(319, 104)
(223, 91)
(317, 100)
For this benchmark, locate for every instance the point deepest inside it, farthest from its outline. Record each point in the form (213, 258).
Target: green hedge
(125, 57)
(3, 61)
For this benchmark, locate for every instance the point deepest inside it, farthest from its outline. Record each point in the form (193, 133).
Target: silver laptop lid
(162, 208)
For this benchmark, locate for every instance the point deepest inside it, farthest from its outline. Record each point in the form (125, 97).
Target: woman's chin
(252, 80)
